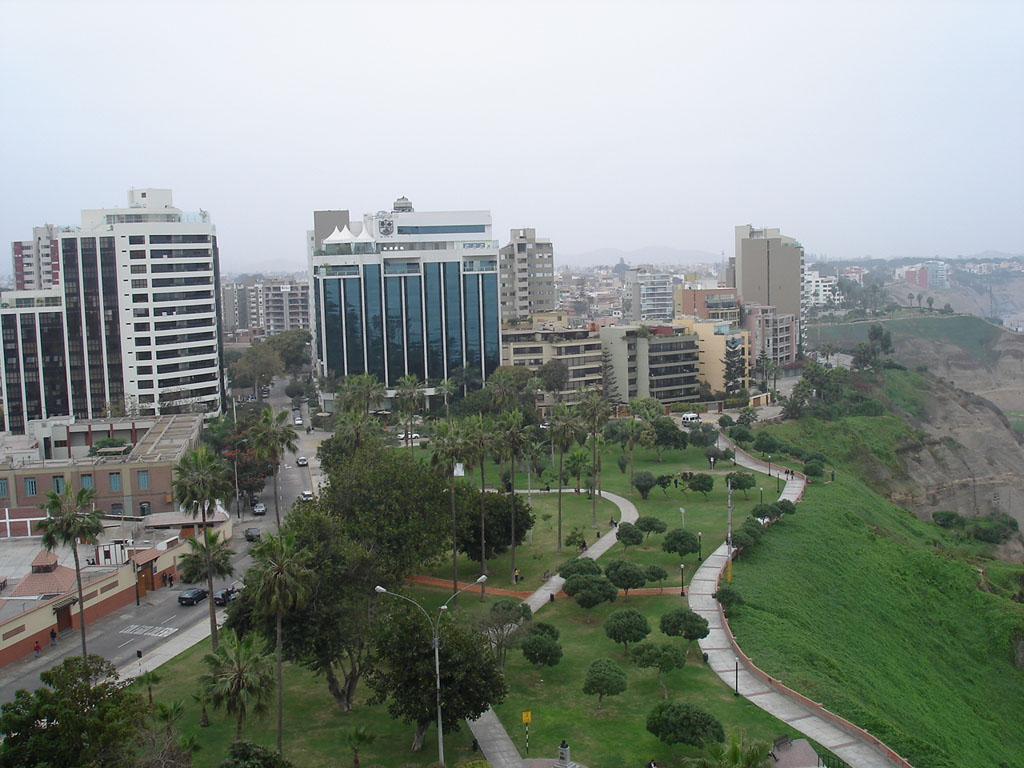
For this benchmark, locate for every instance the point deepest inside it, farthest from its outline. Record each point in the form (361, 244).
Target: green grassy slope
(845, 604)
(973, 335)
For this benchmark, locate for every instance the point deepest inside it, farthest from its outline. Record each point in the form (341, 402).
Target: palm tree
(533, 450)
(71, 518)
(633, 431)
(828, 349)
(577, 464)
(449, 446)
(595, 412)
(513, 441)
(503, 392)
(354, 428)
(280, 580)
(409, 398)
(480, 435)
(149, 679)
(565, 429)
(447, 388)
(207, 557)
(919, 297)
(359, 391)
(272, 436)
(466, 378)
(200, 478)
(357, 738)
(240, 678)
(738, 754)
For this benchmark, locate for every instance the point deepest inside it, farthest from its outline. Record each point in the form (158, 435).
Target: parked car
(298, 421)
(260, 509)
(193, 596)
(224, 596)
(306, 496)
(407, 436)
(302, 461)
(253, 534)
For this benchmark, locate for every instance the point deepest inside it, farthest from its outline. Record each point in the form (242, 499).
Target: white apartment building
(820, 290)
(137, 324)
(527, 275)
(648, 295)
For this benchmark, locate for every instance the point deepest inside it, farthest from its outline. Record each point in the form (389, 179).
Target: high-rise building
(405, 292)
(719, 304)
(770, 270)
(659, 361)
(773, 335)
(132, 326)
(36, 262)
(266, 306)
(579, 349)
(648, 295)
(527, 267)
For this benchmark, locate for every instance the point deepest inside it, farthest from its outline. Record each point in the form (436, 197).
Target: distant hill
(651, 254)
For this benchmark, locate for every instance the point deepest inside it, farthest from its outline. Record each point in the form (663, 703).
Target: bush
(629, 535)
(753, 528)
(542, 628)
(814, 469)
(796, 452)
(817, 456)
(676, 723)
(725, 420)
(741, 434)
(742, 540)
(994, 529)
(580, 566)
(643, 482)
(948, 519)
(729, 597)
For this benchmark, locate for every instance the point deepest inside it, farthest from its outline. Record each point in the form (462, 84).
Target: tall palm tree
(739, 753)
(466, 378)
(354, 428)
(633, 430)
(360, 391)
(565, 430)
(578, 463)
(280, 580)
(447, 388)
(503, 391)
(208, 556)
(200, 478)
(272, 436)
(481, 437)
(239, 678)
(449, 446)
(513, 438)
(71, 518)
(409, 398)
(595, 412)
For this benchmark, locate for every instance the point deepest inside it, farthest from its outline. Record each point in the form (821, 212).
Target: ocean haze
(856, 127)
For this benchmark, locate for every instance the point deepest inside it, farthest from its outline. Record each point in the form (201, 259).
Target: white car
(260, 509)
(302, 461)
(306, 496)
(407, 436)
(298, 421)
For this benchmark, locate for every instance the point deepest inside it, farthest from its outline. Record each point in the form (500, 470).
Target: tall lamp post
(435, 629)
(700, 554)
(769, 465)
(736, 690)
(682, 587)
(762, 493)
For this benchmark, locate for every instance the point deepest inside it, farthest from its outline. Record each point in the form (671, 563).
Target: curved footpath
(855, 746)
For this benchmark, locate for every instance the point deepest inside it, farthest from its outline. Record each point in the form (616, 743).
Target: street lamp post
(769, 465)
(762, 493)
(682, 587)
(736, 690)
(728, 486)
(435, 629)
(700, 554)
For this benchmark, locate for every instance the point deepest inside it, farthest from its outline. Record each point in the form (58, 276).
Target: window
(144, 508)
(86, 481)
(143, 479)
(4, 492)
(138, 269)
(117, 509)
(58, 484)
(138, 283)
(115, 481)
(30, 486)
(136, 239)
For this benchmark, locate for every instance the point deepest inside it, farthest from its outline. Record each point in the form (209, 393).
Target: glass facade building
(410, 294)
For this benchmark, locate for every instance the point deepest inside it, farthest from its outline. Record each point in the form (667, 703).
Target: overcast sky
(885, 129)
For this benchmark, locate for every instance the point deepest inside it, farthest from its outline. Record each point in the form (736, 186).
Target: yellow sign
(527, 716)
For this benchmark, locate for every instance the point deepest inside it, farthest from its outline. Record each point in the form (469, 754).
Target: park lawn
(533, 559)
(616, 734)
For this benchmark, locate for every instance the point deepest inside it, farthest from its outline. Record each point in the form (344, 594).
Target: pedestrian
(833, 475)
(53, 636)
(37, 648)
(163, 578)
(170, 581)
(515, 575)
(652, 764)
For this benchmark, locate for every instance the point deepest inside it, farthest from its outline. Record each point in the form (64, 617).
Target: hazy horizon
(863, 129)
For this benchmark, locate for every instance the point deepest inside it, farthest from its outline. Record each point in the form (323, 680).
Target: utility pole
(728, 540)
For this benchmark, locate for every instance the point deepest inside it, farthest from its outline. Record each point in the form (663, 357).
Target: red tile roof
(57, 582)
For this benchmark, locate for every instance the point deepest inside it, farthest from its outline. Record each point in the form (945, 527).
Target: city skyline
(883, 130)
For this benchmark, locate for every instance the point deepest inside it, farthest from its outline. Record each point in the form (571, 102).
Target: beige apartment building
(526, 274)
(660, 362)
(770, 269)
(578, 348)
(714, 304)
(715, 341)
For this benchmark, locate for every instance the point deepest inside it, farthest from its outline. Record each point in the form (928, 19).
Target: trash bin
(705, 658)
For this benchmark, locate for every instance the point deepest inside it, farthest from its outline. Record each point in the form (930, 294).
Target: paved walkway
(737, 671)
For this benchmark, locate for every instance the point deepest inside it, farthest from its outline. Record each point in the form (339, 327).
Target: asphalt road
(119, 635)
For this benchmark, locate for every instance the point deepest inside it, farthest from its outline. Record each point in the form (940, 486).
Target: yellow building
(714, 341)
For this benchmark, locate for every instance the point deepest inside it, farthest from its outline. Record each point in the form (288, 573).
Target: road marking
(122, 645)
(146, 629)
(172, 616)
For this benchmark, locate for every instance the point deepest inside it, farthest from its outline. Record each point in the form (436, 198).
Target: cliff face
(967, 458)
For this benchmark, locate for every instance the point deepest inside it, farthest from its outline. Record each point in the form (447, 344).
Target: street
(121, 634)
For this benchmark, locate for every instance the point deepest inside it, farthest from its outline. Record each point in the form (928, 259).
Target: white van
(691, 418)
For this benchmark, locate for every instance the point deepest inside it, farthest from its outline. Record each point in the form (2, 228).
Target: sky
(876, 129)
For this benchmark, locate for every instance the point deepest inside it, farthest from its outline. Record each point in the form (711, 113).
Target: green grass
(1016, 419)
(895, 637)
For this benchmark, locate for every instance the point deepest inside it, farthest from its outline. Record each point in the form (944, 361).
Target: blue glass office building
(406, 293)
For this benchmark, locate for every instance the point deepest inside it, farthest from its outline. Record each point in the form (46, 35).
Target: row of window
(57, 482)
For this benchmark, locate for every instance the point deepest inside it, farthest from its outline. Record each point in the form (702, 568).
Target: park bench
(3, 584)
(780, 741)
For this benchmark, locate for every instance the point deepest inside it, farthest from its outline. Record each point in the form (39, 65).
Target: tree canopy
(604, 678)
(675, 723)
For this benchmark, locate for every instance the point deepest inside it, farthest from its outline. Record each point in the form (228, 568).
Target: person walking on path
(37, 648)
(53, 637)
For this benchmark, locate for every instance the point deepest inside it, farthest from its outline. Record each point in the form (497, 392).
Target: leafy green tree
(629, 535)
(662, 657)
(625, 575)
(482, 437)
(680, 541)
(741, 434)
(667, 436)
(765, 443)
(729, 597)
(742, 540)
(703, 434)
(702, 484)
(504, 625)
(814, 469)
(257, 366)
(71, 518)
(682, 622)
(589, 591)
(604, 678)
(239, 678)
(404, 677)
(352, 431)
(541, 650)
(675, 723)
(359, 392)
(273, 436)
(280, 580)
(555, 376)
(627, 626)
(741, 481)
(580, 566)
(565, 429)
(245, 754)
(739, 753)
(753, 528)
(643, 481)
(542, 628)
(292, 347)
(646, 408)
(208, 555)
(656, 573)
(82, 716)
(497, 514)
(650, 524)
